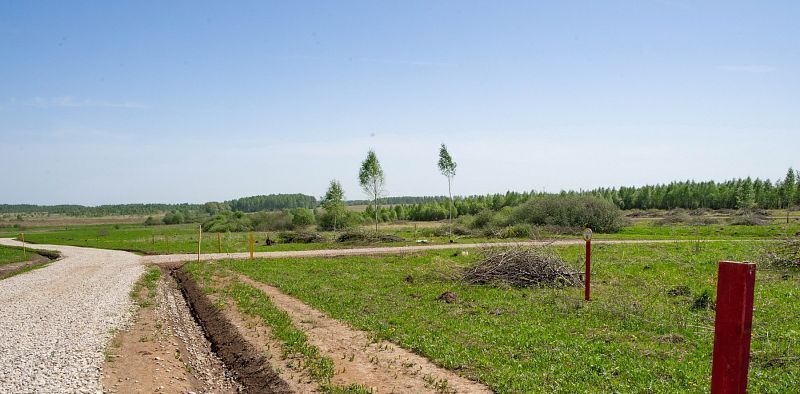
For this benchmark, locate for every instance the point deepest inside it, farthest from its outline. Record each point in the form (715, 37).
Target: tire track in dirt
(382, 366)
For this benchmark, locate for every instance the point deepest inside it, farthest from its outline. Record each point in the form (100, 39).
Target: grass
(253, 302)
(10, 254)
(166, 239)
(644, 331)
(183, 239)
(148, 281)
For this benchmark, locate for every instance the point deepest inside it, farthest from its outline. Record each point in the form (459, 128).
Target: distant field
(640, 333)
(164, 239)
(39, 219)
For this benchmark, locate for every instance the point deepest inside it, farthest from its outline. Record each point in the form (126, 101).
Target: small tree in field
(448, 168)
(333, 201)
(370, 176)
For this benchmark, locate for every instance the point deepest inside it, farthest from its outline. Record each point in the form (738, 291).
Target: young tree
(333, 201)
(448, 168)
(371, 178)
(788, 191)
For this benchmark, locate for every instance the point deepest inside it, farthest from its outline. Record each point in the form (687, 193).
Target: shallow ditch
(250, 368)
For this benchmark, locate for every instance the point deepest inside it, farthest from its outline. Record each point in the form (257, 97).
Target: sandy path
(175, 258)
(56, 321)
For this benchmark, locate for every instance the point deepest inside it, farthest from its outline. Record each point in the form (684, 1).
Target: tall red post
(587, 283)
(732, 327)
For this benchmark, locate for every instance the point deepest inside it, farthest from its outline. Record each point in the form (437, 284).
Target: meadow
(182, 238)
(649, 327)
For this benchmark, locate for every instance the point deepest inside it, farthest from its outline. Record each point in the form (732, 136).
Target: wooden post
(219, 243)
(24, 252)
(587, 236)
(251, 246)
(199, 241)
(732, 327)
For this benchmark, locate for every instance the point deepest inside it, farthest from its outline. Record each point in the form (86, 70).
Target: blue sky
(112, 102)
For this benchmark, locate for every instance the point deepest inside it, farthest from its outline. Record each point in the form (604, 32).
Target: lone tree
(448, 168)
(372, 181)
(333, 201)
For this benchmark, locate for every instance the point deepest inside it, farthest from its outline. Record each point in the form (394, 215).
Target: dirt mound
(250, 368)
(522, 267)
(362, 237)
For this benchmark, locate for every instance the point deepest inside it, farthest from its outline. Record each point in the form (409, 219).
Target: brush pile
(363, 237)
(523, 267)
(785, 253)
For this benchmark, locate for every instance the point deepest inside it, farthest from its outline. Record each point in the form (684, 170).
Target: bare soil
(10, 268)
(249, 366)
(382, 366)
(164, 350)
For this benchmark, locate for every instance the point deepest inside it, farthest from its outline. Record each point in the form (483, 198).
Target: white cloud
(74, 102)
(748, 68)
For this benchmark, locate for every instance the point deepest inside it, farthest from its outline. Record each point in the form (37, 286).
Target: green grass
(9, 254)
(183, 238)
(148, 281)
(633, 337)
(647, 231)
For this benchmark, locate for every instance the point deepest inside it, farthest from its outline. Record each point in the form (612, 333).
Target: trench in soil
(250, 367)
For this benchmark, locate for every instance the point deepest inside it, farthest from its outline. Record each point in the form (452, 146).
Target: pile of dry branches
(785, 253)
(523, 267)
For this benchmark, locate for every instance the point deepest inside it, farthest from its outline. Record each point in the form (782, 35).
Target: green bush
(344, 220)
(571, 211)
(272, 221)
(228, 221)
(520, 230)
(302, 217)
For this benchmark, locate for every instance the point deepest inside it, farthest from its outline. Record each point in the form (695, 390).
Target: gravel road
(360, 251)
(56, 321)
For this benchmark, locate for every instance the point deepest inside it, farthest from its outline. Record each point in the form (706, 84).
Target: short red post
(587, 236)
(732, 327)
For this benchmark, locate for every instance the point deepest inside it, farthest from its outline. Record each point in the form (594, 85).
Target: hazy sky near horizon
(185, 101)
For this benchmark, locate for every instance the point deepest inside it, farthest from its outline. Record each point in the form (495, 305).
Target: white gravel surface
(56, 321)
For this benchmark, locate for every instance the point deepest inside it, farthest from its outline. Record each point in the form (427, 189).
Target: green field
(165, 239)
(633, 337)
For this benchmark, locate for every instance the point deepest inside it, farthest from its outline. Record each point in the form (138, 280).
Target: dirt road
(174, 258)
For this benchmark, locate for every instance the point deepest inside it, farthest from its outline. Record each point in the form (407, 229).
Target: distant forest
(731, 194)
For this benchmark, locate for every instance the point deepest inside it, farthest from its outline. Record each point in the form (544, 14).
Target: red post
(732, 326)
(587, 285)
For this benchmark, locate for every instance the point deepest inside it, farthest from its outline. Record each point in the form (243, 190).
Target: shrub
(367, 237)
(302, 217)
(150, 221)
(482, 219)
(300, 237)
(344, 220)
(228, 221)
(272, 221)
(521, 230)
(570, 211)
(174, 217)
